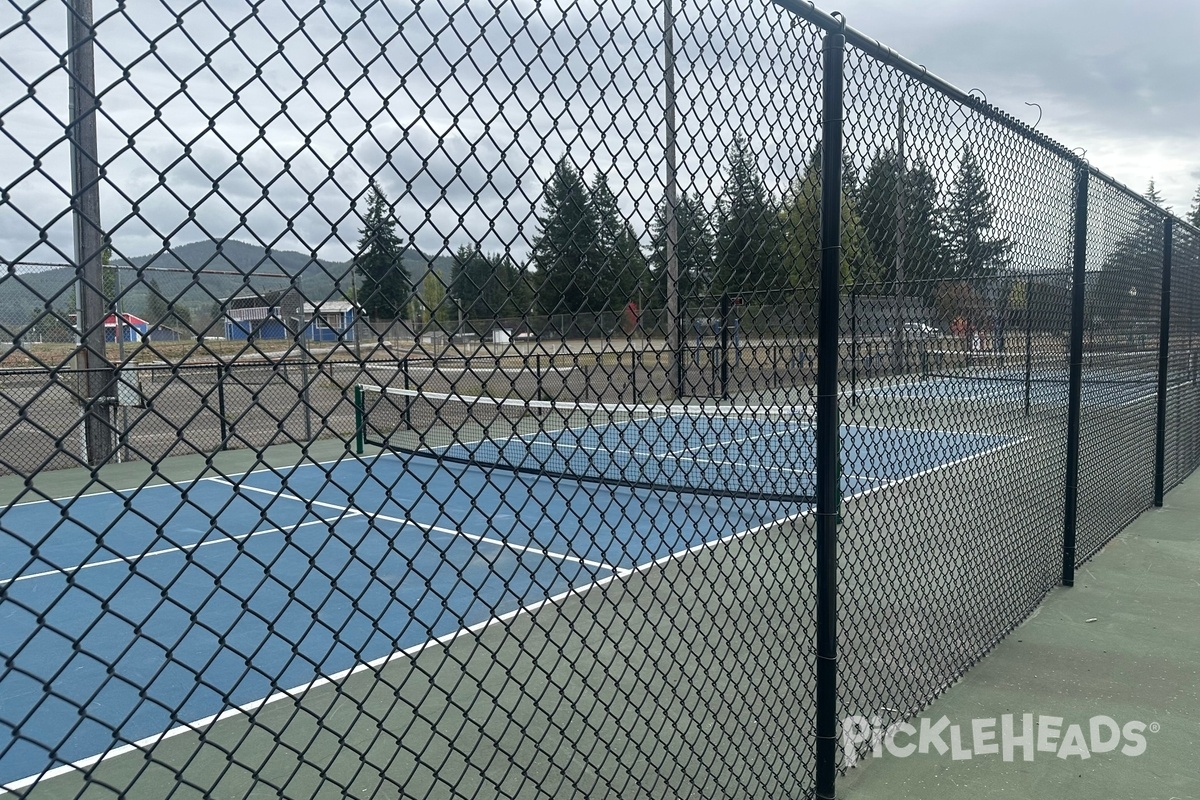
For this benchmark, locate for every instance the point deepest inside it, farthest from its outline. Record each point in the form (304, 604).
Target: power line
(185, 270)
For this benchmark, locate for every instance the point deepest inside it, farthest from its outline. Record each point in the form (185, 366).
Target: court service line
(938, 467)
(122, 493)
(425, 527)
(137, 559)
(497, 542)
(199, 726)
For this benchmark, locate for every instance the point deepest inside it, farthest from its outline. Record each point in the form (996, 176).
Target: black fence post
(681, 357)
(1028, 345)
(723, 342)
(306, 395)
(1075, 389)
(1160, 434)
(828, 478)
(221, 374)
(854, 346)
(635, 357)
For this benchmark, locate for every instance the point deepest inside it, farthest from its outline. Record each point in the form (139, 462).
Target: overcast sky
(1119, 78)
(266, 122)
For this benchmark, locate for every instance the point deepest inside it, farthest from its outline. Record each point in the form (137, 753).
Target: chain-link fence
(539, 401)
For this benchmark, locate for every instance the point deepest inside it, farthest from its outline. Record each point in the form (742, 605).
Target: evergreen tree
(157, 308)
(385, 289)
(890, 195)
(513, 286)
(469, 277)
(851, 182)
(1153, 194)
(181, 317)
(488, 286)
(474, 285)
(434, 306)
(695, 250)
(622, 272)
(973, 251)
(800, 254)
(47, 326)
(1128, 282)
(109, 273)
(747, 236)
(1193, 215)
(565, 251)
(165, 312)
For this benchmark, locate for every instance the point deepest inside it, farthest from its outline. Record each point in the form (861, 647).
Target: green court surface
(1123, 643)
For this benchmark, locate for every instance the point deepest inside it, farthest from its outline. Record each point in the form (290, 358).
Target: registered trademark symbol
(1154, 727)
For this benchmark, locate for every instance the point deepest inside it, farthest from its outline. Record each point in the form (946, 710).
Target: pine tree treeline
(896, 226)
(487, 286)
(753, 242)
(587, 256)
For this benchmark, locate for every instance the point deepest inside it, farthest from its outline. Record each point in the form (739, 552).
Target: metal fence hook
(1039, 119)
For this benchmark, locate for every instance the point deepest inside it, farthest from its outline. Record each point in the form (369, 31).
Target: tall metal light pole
(674, 337)
(91, 360)
(899, 345)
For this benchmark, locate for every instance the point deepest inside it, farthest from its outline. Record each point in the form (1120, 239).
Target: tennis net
(709, 449)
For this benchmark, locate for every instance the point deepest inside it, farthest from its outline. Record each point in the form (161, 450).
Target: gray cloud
(1116, 77)
(218, 121)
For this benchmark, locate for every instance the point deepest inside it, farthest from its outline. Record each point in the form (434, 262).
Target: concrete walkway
(1124, 643)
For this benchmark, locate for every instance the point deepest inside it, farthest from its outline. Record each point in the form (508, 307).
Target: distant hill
(198, 276)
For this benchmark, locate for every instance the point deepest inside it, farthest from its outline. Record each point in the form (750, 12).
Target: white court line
(199, 726)
(424, 527)
(183, 485)
(99, 493)
(137, 559)
(481, 371)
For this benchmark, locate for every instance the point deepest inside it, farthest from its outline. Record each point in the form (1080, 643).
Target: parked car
(914, 331)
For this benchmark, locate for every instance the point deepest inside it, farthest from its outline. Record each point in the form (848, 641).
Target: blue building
(261, 315)
(133, 329)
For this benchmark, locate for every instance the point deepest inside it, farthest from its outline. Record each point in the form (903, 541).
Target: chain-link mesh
(960, 333)
(1183, 395)
(1123, 301)
(555, 237)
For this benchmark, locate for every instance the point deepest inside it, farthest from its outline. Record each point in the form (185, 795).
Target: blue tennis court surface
(197, 597)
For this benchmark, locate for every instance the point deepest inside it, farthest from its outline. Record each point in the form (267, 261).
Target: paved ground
(1124, 643)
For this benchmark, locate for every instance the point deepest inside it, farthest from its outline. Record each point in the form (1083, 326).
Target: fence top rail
(1116, 185)
(886, 55)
